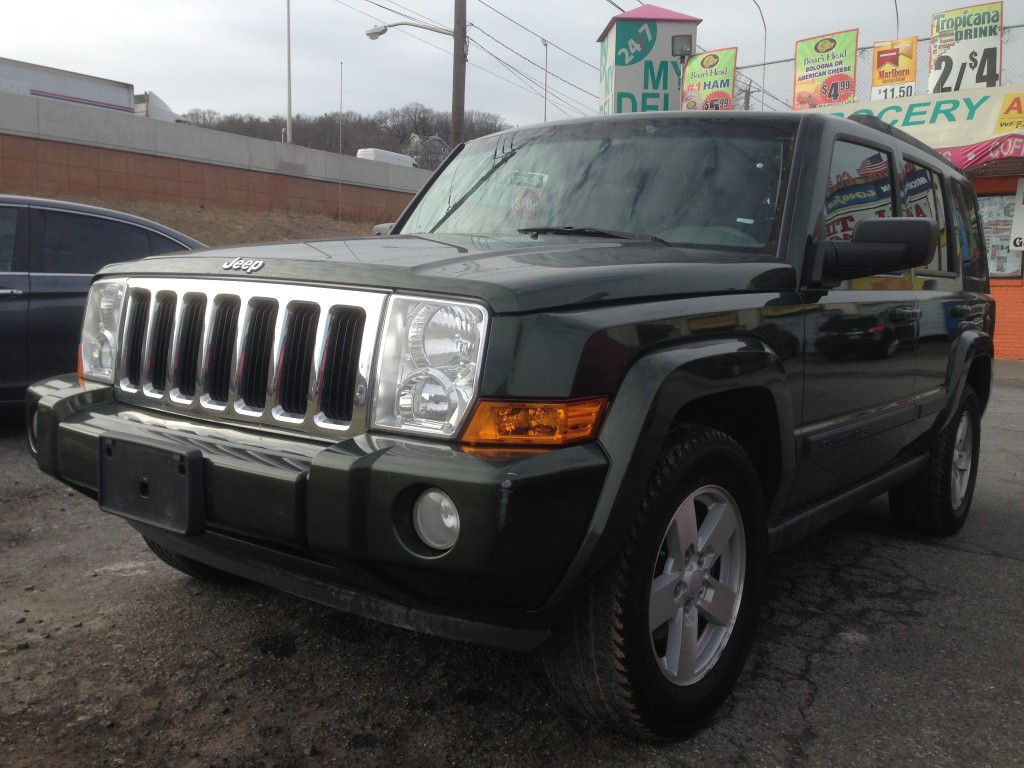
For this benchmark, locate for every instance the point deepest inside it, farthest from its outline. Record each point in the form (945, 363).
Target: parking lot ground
(875, 648)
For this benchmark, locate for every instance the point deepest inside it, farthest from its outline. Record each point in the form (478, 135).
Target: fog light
(33, 431)
(436, 519)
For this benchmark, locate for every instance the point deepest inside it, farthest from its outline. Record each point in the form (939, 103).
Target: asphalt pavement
(875, 648)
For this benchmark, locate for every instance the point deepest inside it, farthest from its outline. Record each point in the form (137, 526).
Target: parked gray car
(49, 251)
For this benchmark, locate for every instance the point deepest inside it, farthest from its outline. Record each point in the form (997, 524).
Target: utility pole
(459, 56)
(460, 53)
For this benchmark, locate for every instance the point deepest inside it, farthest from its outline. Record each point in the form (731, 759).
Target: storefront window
(997, 218)
(859, 187)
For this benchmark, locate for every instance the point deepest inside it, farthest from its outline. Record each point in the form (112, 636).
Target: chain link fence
(770, 86)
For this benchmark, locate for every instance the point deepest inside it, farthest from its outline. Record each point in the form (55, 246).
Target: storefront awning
(971, 128)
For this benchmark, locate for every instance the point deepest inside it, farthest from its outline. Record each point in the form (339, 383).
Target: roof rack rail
(871, 121)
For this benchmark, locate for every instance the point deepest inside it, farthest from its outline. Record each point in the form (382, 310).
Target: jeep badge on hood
(246, 265)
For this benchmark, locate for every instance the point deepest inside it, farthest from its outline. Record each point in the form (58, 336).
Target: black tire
(190, 567)
(937, 501)
(699, 534)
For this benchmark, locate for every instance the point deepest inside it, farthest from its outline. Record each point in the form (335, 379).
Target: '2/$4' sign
(638, 71)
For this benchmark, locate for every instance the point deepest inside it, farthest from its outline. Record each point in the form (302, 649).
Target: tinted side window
(80, 244)
(8, 230)
(969, 236)
(859, 186)
(925, 199)
(160, 244)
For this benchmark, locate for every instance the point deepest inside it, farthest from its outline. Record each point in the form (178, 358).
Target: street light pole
(288, 124)
(460, 53)
(764, 55)
(545, 44)
(341, 132)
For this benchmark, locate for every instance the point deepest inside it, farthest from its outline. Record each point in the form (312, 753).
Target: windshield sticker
(529, 190)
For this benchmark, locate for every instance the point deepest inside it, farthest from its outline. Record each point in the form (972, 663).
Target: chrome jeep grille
(291, 356)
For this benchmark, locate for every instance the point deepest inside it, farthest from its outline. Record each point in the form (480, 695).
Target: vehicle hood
(512, 274)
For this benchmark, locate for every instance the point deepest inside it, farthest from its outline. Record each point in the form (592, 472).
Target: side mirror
(382, 229)
(878, 246)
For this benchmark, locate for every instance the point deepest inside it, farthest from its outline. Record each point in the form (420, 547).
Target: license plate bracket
(152, 482)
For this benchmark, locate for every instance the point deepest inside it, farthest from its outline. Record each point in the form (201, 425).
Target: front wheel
(657, 643)
(937, 501)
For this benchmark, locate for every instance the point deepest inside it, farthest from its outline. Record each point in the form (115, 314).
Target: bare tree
(392, 129)
(204, 118)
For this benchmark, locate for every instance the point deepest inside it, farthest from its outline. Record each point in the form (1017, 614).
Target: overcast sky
(230, 55)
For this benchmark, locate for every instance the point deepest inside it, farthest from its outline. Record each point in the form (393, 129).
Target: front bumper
(332, 522)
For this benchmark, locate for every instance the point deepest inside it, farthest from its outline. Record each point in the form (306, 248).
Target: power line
(437, 47)
(539, 66)
(535, 34)
(512, 69)
(562, 103)
(533, 85)
(416, 13)
(392, 10)
(480, 29)
(397, 29)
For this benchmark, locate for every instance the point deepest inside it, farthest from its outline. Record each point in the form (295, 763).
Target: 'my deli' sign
(968, 127)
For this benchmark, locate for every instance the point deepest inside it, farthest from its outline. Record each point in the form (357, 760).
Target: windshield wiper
(591, 232)
(505, 157)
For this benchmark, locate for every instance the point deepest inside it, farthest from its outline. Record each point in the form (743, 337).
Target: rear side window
(80, 244)
(859, 187)
(925, 199)
(160, 244)
(8, 231)
(969, 236)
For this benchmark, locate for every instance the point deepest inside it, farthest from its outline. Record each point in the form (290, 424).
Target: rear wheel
(657, 643)
(937, 501)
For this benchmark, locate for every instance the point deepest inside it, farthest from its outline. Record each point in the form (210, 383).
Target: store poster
(826, 70)
(894, 69)
(997, 218)
(966, 49)
(709, 80)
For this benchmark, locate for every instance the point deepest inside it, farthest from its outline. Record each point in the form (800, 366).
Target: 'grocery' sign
(969, 127)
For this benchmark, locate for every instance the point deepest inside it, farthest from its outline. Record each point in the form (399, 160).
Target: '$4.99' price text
(835, 89)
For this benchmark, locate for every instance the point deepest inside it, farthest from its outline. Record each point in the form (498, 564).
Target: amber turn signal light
(535, 424)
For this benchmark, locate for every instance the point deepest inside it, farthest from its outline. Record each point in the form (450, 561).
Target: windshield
(692, 182)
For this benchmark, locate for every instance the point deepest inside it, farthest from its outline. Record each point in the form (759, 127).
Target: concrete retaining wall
(54, 149)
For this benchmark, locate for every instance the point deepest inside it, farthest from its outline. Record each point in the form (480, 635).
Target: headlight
(429, 363)
(101, 330)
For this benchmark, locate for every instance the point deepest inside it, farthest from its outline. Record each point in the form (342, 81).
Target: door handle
(905, 314)
(10, 292)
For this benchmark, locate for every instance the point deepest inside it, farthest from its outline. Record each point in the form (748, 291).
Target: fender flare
(652, 392)
(971, 346)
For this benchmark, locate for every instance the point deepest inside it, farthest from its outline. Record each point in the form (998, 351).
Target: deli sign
(638, 71)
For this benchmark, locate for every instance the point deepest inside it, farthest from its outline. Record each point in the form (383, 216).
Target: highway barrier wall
(52, 149)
